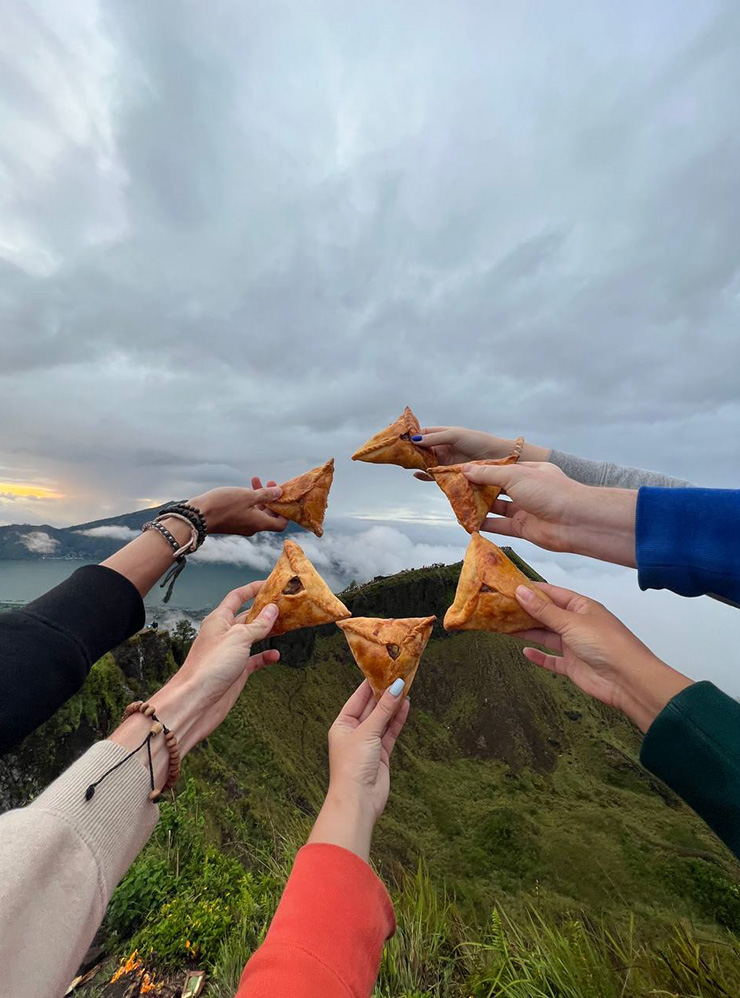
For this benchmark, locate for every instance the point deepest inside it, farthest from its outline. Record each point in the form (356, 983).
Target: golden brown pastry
(304, 498)
(302, 596)
(470, 503)
(393, 445)
(387, 649)
(485, 599)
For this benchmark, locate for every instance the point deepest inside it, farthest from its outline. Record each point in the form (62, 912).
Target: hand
(240, 511)
(598, 653)
(551, 510)
(455, 444)
(200, 695)
(361, 742)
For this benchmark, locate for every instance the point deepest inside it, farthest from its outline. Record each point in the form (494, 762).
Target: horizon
(239, 243)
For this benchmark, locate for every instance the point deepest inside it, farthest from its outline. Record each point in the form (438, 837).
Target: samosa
(302, 597)
(386, 650)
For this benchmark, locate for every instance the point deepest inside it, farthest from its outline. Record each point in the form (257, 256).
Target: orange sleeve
(327, 936)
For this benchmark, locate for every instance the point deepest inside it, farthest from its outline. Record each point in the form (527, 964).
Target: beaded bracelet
(173, 749)
(173, 773)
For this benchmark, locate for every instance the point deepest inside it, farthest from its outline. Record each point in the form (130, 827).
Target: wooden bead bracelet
(173, 774)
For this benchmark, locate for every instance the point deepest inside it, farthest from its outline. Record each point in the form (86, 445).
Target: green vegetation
(527, 851)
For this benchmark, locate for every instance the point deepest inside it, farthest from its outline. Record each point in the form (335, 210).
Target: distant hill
(92, 541)
(26, 542)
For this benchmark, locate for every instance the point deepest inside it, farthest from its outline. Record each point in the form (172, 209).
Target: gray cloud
(238, 239)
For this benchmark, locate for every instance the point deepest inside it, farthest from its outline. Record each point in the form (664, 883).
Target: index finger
(236, 599)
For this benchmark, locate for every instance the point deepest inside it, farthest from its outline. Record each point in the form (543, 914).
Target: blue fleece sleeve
(688, 540)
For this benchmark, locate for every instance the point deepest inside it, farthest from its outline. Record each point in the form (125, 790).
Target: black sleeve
(48, 647)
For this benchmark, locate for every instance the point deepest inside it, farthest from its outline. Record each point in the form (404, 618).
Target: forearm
(145, 560)
(649, 685)
(609, 475)
(693, 745)
(48, 647)
(60, 860)
(498, 447)
(326, 939)
(600, 523)
(687, 541)
(346, 822)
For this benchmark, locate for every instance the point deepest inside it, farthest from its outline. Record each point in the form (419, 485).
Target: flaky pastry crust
(485, 600)
(470, 503)
(393, 445)
(302, 596)
(304, 498)
(387, 649)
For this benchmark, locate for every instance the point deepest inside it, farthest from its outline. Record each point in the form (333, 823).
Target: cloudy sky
(238, 237)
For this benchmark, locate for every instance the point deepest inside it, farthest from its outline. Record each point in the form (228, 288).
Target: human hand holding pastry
(239, 511)
(456, 445)
(558, 514)
(597, 653)
(361, 742)
(200, 695)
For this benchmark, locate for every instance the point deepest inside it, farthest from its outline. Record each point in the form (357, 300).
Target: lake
(197, 591)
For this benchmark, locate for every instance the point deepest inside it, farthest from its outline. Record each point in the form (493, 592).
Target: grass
(527, 851)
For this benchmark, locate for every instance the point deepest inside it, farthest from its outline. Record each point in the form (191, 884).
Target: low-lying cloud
(340, 557)
(112, 532)
(39, 542)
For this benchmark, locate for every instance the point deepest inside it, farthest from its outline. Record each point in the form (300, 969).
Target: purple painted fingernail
(417, 437)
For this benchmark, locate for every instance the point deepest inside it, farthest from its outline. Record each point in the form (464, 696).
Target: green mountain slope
(510, 788)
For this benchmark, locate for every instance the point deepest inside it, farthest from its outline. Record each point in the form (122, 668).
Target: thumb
(262, 624)
(489, 474)
(542, 609)
(269, 494)
(386, 709)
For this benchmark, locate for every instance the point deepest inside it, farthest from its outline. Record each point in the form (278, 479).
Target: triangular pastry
(302, 596)
(485, 599)
(387, 649)
(304, 498)
(470, 503)
(393, 445)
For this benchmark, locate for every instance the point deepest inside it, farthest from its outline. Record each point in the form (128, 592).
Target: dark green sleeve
(693, 745)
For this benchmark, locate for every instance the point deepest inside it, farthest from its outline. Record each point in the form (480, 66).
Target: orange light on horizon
(28, 491)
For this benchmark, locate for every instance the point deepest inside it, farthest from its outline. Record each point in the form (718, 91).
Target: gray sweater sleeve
(614, 476)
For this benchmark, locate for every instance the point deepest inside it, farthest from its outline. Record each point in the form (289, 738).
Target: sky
(239, 237)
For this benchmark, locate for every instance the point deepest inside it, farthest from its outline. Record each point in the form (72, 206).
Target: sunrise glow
(28, 491)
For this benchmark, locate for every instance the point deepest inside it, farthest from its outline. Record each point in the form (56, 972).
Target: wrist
(209, 508)
(346, 819)
(648, 689)
(601, 523)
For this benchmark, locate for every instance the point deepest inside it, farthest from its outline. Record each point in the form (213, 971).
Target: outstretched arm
(456, 444)
(63, 855)
(327, 936)
(692, 730)
(48, 647)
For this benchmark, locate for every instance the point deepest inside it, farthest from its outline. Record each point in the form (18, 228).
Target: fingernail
(396, 687)
(417, 437)
(524, 594)
(270, 610)
(467, 467)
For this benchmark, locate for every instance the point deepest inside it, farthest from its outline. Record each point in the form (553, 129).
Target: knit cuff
(117, 821)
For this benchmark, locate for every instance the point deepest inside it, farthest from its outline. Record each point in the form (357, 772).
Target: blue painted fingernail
(417, 437)
(396, 687)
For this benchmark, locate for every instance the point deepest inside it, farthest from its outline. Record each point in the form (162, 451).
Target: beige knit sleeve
(61, 857)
